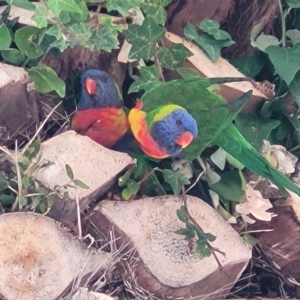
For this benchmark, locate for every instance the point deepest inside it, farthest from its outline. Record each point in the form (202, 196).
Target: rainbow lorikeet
(100, 115)
(214, 118)
(164, 131)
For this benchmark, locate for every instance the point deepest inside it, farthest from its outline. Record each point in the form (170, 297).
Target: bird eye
(178, 122)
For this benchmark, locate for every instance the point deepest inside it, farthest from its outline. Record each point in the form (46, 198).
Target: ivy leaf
(172, 56)
(255, 128)
(61, 44)
(189, 231)
(122, 6)
(26, 4)
(143, 38)
(155, 11)
(57, 6)
(212, 28)
(54, 31)
(106, 38)
(81, 32)
(285, 61)
(149, 78)
(40, 16)
(207, 42)
(202, 250)
(46, 80)
(176, 179)
(182, 214)
(5, 40)
(24, 40)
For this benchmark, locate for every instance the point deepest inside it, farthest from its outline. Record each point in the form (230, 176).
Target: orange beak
(90, 85)
(185, 139)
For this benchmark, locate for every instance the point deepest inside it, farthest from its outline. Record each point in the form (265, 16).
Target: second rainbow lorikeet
(100, 115)
(214, 118)
(164, 131)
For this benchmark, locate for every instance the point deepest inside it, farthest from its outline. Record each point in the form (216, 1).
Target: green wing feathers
(235, 144)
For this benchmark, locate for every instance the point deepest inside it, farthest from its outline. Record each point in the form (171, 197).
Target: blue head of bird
(98, 89)
(174, 131)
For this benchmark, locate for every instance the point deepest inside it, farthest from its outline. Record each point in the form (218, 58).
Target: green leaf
(3, 182)
(126, 193)
(57, 6)
(33, 150)
(6, 199)
(255, 128)
(22, 201)
(293, 3)
(249, 65)
(13, 56)
(230, 186)
(172, 56)
(65, 17)
(83, 15)
(187, 72)
(203, 238)
(202, 250)
(154, 11)
(143, 38)
(46, 80)
(40, 16)
(122, 181)
(182, 214)
(133, 186)
(60, 44)
(293, 35)
(122, 6)
(285, 61)
(188, 232)
(5, 40)
(149, 77)
(24, 162)
(26, 4)
(69, 172)
(26, 180)
(80, 184)
(207, 42)
(24, 40)
(264, 41)
(55, 31)
(249, 239)
(175, 179)
(212, 28)
(105, 38)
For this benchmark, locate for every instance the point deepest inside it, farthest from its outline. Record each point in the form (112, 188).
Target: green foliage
(143, 38)
(176, 179)
(46, 79)
(211, 39)
(22, 190)
(255, 128)
(191, 231)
